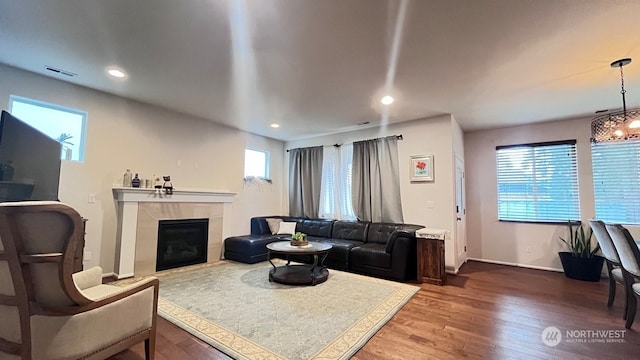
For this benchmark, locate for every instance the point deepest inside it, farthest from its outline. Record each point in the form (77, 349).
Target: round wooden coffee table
(303, 274)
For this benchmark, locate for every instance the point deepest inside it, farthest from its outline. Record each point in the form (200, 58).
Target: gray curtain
(376, 184)
(305, 179)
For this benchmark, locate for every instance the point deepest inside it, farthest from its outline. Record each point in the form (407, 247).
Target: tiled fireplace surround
(139, 211)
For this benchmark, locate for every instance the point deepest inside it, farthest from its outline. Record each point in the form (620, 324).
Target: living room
(153, 138)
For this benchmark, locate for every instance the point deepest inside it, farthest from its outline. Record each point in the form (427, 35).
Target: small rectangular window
(63, 124)
(616, 184)
(538, 182)
(256, 163)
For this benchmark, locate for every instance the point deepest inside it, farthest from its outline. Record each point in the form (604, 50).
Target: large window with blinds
(538, 182)
(616, 181)
(335, 193)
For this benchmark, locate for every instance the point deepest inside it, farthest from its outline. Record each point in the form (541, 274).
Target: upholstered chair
(629, 255)
(611, 256)
(46, 311)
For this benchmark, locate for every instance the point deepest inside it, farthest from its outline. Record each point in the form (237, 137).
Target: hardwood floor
(486, 311)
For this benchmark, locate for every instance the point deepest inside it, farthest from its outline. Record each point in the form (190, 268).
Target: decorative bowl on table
(299, 239)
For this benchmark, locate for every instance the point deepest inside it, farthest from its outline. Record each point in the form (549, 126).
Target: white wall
(149, 140)
(509, 242)
(431, 204)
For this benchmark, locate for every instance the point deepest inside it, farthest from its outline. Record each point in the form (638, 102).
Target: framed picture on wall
(421, 167)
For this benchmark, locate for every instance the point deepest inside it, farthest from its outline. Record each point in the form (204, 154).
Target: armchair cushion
(88, 278)
(75, 336)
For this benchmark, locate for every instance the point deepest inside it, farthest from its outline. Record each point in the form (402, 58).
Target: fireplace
(181, 243)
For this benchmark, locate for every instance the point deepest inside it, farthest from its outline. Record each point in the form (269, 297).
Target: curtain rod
(399, 137)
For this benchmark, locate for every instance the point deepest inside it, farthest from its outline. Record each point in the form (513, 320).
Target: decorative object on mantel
(299, 239)
(421, 167)
(167, 186)
(126, 178)
(135, 182)
(618, 125)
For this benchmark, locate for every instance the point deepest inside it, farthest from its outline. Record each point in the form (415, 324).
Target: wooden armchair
(50, 313)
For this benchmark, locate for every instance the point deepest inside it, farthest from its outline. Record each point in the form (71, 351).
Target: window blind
(335, 191)
(616, 181)
(538, 182)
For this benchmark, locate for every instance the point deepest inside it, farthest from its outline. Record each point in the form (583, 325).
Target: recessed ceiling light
(116, 72)
(386, 100)
(275, 126)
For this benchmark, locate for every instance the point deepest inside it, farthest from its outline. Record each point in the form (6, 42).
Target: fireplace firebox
(182, 243)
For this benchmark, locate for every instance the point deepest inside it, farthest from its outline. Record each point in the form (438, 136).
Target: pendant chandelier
(618, 125)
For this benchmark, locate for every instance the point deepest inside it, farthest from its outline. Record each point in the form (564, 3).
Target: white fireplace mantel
(128, 200)
(127, 194)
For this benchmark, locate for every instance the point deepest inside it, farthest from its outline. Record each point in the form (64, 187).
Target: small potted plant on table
(581, 261)
(299, 239)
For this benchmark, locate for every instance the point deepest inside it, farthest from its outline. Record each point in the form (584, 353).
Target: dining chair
(613, 261)
(629, 255)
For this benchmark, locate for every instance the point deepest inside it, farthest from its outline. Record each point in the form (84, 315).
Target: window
(63, 124)
(538, 182)
(616, 183)
(335, 193)
(256, 164)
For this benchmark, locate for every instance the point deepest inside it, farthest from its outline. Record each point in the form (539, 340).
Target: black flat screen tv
(29, 162)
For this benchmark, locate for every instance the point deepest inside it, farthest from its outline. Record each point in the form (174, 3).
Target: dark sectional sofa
(383, 250)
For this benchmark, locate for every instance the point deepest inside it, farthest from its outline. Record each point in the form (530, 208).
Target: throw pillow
(287, 228)
(274, 225)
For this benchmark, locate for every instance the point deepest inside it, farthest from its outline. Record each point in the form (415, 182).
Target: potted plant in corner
(581, 261)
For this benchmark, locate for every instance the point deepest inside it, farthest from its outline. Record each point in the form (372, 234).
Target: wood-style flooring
(487, 311)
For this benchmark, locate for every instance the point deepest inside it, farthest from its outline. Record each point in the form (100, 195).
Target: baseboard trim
(121, 276)
(535, 267)
(451, 270)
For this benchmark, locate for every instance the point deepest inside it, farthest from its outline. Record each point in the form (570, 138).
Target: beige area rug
(235, 308)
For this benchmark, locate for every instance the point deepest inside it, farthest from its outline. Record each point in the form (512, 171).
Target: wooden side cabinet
(431, 261)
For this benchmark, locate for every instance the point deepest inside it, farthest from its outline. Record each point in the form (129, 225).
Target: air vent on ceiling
(364, 123)
(602, 111)
(60, 71)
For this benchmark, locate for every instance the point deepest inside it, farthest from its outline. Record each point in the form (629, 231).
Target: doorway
(461, 212)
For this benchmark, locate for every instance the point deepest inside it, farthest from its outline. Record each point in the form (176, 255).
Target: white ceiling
(321, 66)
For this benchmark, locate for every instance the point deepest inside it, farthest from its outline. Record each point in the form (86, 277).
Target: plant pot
(581, 268)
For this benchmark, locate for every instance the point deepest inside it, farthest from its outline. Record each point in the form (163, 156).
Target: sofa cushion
(249, 248)
(274, 224)
(350, 230)
(288, 228)
(320, 228)
(371, 255)
(338, 257)
(260, 226)
(379, 233)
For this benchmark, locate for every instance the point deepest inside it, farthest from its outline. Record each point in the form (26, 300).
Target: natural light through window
(538, 182)
(256, 163)
(65, 125)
